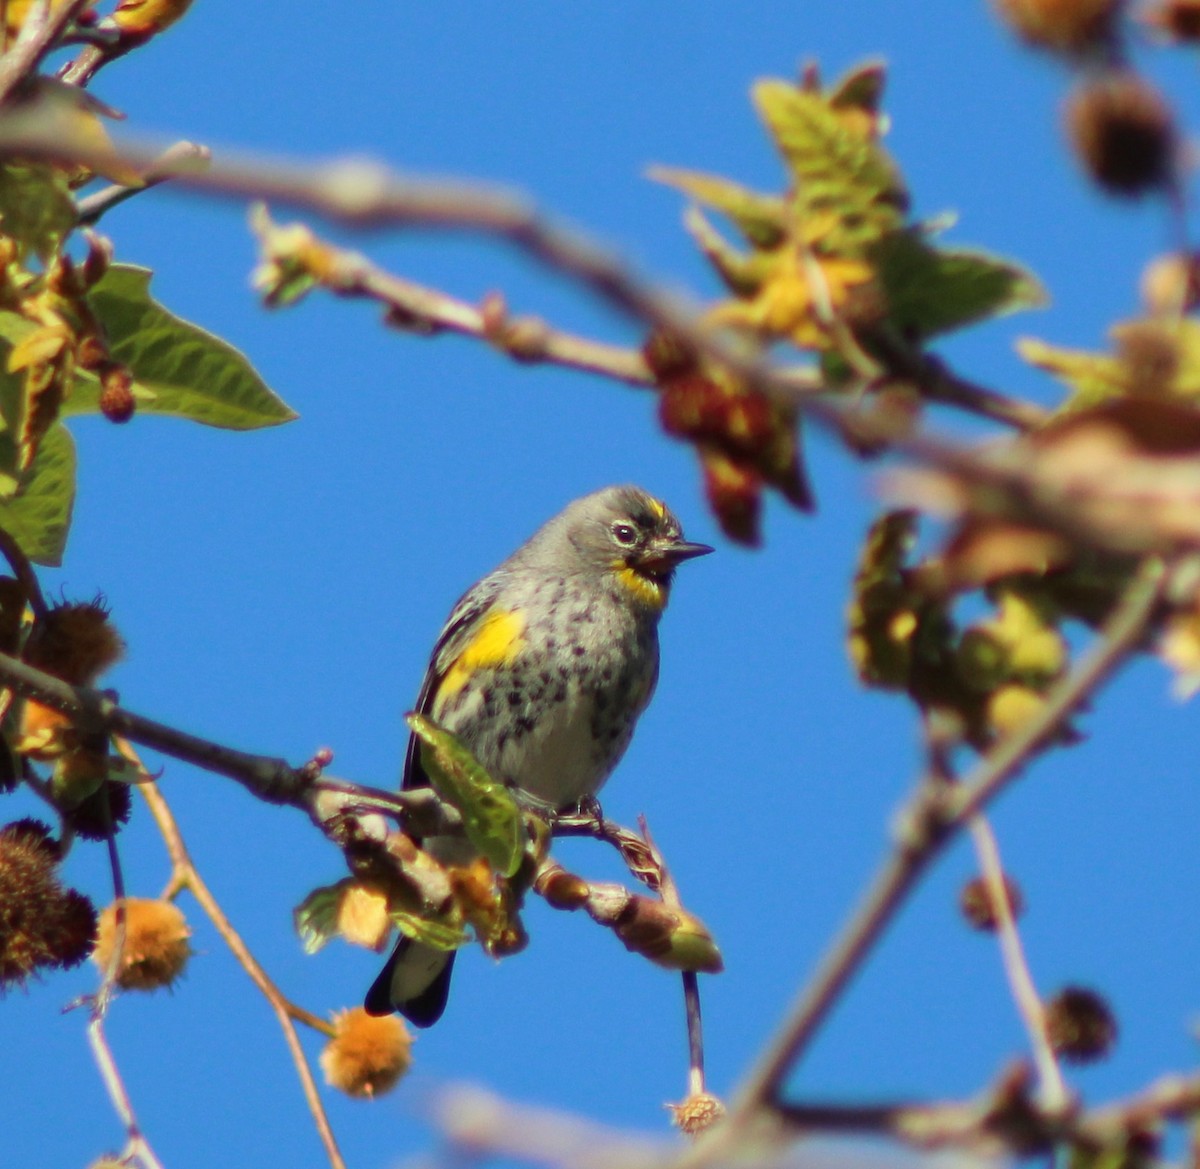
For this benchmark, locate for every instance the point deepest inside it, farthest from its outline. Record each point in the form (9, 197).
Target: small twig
(695, 1032)
(932, 818)
(524, 339)
(186, 875)
(365, 194)
(174, 161)
(1055, 1097)
(269, 778)
(136, 1144)
(23, 571)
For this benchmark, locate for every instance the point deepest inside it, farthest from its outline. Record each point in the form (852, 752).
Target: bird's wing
(455, 637)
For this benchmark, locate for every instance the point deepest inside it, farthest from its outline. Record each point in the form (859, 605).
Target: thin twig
(932, 818)
(1055, 1097)
(365, 194)
(186, 873)
(174, 161)
(136, 1144)
(24, 572)
(695, 1032)
(524, 339)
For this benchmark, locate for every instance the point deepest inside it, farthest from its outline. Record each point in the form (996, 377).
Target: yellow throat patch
(642, 588)
(497, 641)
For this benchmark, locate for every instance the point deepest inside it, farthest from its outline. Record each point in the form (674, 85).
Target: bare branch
(186, 875)
(933, 816)
(1055, 1097)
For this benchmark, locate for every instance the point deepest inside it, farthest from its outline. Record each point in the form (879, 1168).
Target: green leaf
(38, 517)
(315, 918)
(438, 934)
(743, 273)
(36, 208)
(935, 290)
(1092, 377)
(837, 168)
(762, 219)
(179, 369)
(491, 817)
(861, 88)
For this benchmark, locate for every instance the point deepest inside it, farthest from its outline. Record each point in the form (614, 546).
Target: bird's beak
(662, 558)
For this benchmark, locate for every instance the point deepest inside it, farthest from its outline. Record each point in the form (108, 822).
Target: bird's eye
(624, 534)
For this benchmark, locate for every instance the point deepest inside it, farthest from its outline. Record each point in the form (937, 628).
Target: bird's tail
(415, 982)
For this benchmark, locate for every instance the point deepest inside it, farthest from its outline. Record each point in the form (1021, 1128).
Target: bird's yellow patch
(497, 641)
(657, 506)
(644, 590)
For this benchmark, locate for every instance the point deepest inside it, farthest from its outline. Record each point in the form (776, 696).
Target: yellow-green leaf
(491, 817)
(36, 208)
(836, 167)
(762, 219)
(933, 290)
(315, 918)
(1092, 377)
(440, 935)
(38, 516)
(179, 369)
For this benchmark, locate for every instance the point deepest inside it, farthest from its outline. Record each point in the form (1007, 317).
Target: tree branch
(933, 816)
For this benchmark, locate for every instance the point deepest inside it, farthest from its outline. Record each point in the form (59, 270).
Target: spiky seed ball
(117, 402)
(368, 1054)
(156, 943)
(75, 641)
(975, 901)
(1122, 132)
(1061, 26)
(41, 923)
(697, 1113)
(1080, 1025)
(91, 820)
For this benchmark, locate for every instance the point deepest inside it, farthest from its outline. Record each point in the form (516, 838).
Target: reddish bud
(117, 402)
(734, 493)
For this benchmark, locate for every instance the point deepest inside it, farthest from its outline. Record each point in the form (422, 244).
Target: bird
(542, 670)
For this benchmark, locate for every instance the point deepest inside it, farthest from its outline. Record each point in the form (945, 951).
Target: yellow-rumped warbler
(542, 670)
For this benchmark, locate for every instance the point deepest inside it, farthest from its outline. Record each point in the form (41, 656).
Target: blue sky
(280, 590)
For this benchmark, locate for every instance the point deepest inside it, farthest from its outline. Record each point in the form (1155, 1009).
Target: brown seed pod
(41, 923)
(75, 641)
(1123, 133)
(1177, 19)
(977, 907)
(92, 820)
(1061, 26)
(1080, 1025)
(368, 1054)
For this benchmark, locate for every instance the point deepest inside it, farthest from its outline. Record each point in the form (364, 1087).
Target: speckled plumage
(542, 669)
